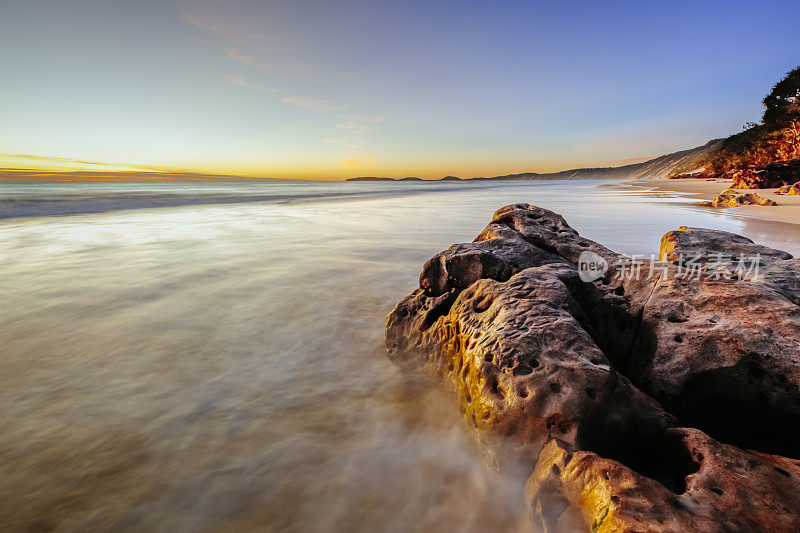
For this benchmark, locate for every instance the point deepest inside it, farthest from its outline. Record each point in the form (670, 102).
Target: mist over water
(217, 361)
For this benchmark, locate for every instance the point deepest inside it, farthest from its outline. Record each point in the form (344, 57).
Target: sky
(335, 89)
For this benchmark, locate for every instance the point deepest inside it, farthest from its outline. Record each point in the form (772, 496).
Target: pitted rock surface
(705, 243)
(520, 360)
(677, 389)
(725, 489)
(734, 199)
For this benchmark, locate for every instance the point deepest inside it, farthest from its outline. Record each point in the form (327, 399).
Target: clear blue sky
(325, 89)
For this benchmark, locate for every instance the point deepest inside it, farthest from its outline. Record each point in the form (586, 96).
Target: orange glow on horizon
(25, 167)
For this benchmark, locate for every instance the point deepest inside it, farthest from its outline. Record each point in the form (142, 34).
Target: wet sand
(787, 210)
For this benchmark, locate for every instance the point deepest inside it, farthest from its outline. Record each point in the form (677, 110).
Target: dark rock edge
(660, 404)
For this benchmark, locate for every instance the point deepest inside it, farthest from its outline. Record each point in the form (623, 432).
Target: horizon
(24, 175)
(306, 90)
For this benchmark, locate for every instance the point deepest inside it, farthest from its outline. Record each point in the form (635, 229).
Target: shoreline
(787, 211)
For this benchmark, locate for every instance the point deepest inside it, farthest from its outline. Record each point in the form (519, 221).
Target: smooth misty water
(217, 361)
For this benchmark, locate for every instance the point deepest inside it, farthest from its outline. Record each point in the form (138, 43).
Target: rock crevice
(635, 403)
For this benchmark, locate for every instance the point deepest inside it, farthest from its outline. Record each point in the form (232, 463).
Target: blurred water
(220, 364)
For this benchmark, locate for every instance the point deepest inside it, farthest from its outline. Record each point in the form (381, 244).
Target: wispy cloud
(27, 161)
(360, 123)
(238, 30)
(358, 161)
(246, 41)
(312, 104)
(38, 175)
(236, 80)
(241, 82)
(241, 57)
(34, 167)
(278, 64)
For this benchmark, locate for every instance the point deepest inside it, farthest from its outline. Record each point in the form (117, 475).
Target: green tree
(782, 114)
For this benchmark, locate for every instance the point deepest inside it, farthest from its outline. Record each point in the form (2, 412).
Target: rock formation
(772, 175)
(730, 198)
(707, 244)
(663, 401)
(791, 190)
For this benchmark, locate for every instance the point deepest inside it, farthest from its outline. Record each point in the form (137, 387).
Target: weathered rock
(724, 489)
(724, 200)
(535, 355)
(772, 175)
(503, 321)
(722, 352)
(791, 190)
(753, 199)
(750, 179)
(730, 198)
(704, 243)
(721, 355)
(522, 365)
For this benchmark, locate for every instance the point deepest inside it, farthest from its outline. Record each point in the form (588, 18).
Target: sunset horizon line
(117, 171)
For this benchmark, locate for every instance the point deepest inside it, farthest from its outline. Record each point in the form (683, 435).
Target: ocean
(201, 356)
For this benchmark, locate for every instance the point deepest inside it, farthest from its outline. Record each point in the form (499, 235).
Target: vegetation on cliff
(775, 138)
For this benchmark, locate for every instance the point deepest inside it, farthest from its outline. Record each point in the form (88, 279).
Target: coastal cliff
(668, 400)
(656, 168)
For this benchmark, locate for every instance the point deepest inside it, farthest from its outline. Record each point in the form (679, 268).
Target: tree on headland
(782, 111)
(776, 138)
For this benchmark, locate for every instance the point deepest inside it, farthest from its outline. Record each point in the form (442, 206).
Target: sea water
(209, 356)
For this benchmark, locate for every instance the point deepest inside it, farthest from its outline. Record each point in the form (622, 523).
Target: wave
(55, 203)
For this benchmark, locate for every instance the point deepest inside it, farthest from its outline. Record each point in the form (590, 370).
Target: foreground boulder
(502, 321)
(655, 402)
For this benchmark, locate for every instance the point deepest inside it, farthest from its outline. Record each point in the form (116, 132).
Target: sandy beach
(787, 210)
